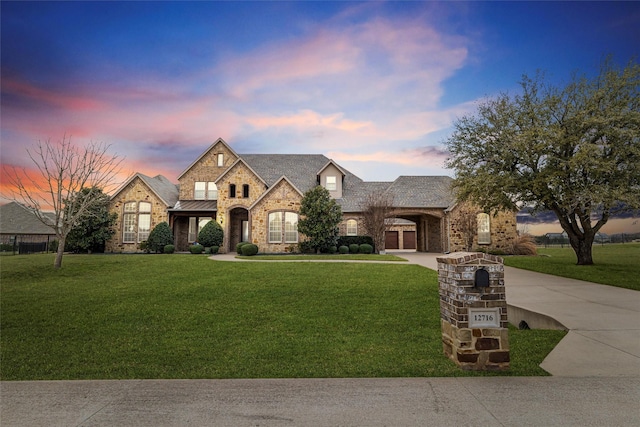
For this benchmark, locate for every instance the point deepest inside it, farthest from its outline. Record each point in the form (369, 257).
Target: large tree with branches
(68, 180)
(572, 150)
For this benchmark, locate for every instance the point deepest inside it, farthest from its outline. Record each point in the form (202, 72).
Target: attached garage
(408, 240)
(391, 240)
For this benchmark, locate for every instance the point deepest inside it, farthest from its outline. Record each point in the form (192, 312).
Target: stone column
(473, 311)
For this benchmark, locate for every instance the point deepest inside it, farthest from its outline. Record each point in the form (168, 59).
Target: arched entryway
(238, 228)
(429, 232)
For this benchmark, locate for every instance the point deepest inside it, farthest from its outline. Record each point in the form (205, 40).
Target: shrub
(348, 240)
(343, 249)
(144, 246)
(159, 237)
(169, 249)
(207, 251)
(333, 249)
(354, 248)
(306, 247)
(239, 247)
(524, 245)
(211, 234)
(215, 249)
(365, 248)
(196, 249)
(249, 249)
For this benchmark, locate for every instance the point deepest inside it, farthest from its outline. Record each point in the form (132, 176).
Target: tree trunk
(58, 262)
(583, 249)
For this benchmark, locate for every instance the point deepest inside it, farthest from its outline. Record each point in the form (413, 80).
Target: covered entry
(420, 231)
(237, 227)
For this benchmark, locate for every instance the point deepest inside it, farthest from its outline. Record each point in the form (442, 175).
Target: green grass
(614, 264)
(185, 316)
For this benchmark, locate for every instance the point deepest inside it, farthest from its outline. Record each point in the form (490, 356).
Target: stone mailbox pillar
(473, 310)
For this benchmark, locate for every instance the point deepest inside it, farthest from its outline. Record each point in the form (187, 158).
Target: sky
(374, 86)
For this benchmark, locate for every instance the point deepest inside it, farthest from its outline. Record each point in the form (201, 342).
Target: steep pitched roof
(160, 185)
(218, 141)
(355, 195)
(300, 169)
(422, 191)
(16, 219)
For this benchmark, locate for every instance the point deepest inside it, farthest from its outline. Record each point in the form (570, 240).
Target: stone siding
(135, 191)
(503, 231)
(205, 170)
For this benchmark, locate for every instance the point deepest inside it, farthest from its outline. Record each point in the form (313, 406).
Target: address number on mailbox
(484, 317)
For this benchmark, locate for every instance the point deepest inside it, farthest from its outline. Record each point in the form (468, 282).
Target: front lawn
(614, 264)
(186, 316)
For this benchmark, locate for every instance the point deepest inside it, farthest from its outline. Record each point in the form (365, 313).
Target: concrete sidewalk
(596, 381)
(488, 401)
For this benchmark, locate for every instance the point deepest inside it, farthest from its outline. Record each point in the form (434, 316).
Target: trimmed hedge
(358, 240)
(211, 234)
(354, 248)
(249, 249)
(239, 247)
(343, 249)
(196, 249)
(169, 249)
(366, 248)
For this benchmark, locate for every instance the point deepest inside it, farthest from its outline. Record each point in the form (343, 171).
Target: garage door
(391, 240)
(409, 239)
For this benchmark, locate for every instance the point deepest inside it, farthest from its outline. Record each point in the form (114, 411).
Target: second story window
(331, 183)
(245, 191)
(220, 160)
(232, 190)
(205, 191)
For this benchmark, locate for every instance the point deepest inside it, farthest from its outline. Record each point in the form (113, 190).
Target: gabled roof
(355, 195)
(422, 191)
(337, 166)
(240, 160)
(218, 141)
(159, 185)
(300, 169)
(282, 178)
(16, 219)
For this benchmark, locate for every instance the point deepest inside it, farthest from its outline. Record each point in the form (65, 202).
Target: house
(21, 231)
(256, 197)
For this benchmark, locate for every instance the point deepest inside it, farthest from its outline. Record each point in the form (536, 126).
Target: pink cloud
(35, 94)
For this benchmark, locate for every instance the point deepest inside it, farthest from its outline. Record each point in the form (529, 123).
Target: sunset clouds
(373, 85)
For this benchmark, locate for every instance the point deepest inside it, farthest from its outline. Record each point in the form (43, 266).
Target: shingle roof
(300, 169)
(355, 194)
(16, 219)
(422, 191)
(164, 188)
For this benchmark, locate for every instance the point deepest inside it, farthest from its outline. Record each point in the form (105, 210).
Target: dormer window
(330, 183)
(220, 160)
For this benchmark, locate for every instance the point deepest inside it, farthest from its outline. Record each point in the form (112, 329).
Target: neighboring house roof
(16, 219)
(422, 191)
(160, 185)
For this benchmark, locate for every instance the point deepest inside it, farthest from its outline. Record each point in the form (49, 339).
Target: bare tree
(67, 180)
(465, 222)
(376, 208)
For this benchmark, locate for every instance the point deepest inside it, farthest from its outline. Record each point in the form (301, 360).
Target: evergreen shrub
(196, 249)
(354, 248)
(343, 249)
(249, 249)
(159, 237)
(239, 247)
(366, 248)
(211, 235)
(169, 249)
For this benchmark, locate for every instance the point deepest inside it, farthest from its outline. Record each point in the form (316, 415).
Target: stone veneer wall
(205, 170)
(485, 348)
(238, 175)
(282, 197)
(503, 229)
(135, 191)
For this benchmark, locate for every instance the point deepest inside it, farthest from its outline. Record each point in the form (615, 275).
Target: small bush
(365, 248)
(239, 247)
(354, 248)
(524, 245)
(333, 249)
(196, 249)
(249, 249)
(159, 237)
(343, 249)
(143, 246)
(207, 251)
(306, 247)
(215, 249)
(211, 235)
(169, 249)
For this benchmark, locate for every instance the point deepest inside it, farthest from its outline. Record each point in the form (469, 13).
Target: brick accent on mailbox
(473, 348)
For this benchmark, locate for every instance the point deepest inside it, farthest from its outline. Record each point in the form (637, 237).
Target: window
(484, 230)
(144, 221)
(220, 160)
(205, 190)
(331, 183)
(212, 191)
(232, 190)
(283, 227)
(245, 191)
(352, 227)
(136, 222)
(199, 191)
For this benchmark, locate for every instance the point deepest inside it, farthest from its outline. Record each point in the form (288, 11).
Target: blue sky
(373, 85)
